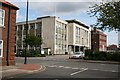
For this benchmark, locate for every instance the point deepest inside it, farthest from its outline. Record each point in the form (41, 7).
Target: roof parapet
(77, 22)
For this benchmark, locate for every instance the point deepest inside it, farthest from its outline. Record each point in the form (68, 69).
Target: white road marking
(114, 71)
(104, 70)
(75, 68)
(82, 69)
(66, 67)
(79, 71)
(60, 66)
(53, 66)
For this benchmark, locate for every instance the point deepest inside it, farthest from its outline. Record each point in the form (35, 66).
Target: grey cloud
(60, 7)
(55, 7)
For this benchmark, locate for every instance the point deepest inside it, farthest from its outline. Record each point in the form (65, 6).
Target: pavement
(19, 69)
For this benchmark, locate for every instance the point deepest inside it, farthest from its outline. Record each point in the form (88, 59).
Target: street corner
(29, 68)
(22, 69)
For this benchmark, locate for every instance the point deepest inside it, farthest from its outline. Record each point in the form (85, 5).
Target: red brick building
(112, 47)
(7, 32)
(98, 40)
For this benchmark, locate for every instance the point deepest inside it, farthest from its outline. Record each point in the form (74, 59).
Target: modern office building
(119, 39)
(98, 40)
(7, 32)
(57, 34)
(53, 31)
(79, 36)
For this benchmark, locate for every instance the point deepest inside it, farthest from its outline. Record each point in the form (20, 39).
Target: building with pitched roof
(7, 32)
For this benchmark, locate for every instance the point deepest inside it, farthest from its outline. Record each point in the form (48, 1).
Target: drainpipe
(8, 36)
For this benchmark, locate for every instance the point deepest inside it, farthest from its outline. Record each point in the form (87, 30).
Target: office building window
(32, 26)
(2, 15)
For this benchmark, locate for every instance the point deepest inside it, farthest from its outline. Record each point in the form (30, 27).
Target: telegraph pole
(26, 45)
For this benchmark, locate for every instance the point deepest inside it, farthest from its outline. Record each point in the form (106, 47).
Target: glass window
(2, 14)
(32, 26)
(1, 48)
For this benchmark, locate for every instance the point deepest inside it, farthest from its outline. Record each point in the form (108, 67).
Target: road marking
(67, 67)
(79, 71)
(75, 68)
(104, 70)
(42, 68)
(60, 66)
(114, 71)
(53, 66)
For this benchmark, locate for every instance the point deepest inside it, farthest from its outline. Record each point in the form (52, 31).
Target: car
(77, 55)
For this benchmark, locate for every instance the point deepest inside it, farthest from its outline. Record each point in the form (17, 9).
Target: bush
(90, 55)
(24, 53)
(43, 55)
(30, 53)
(115, 56)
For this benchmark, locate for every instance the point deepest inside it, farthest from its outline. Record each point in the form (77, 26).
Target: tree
(30, 40)
(38, 42)
(33, 41)
(107, 14)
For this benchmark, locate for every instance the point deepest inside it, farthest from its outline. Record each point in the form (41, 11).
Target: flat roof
(46, 17)
(77, 22)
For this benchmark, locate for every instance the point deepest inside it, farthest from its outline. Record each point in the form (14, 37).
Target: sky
(65, 9)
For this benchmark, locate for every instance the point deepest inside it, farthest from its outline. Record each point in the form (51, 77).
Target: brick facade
(8, 34)
(98, 40)
(112, 47)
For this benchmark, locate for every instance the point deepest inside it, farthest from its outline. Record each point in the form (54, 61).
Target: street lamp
(26, 33)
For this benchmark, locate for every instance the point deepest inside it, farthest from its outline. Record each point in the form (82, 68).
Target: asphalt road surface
(59, 66)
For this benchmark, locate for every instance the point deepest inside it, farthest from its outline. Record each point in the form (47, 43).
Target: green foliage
(107, 14)
(33, 40)
(26, 52)
(31, 54)
(104, 56)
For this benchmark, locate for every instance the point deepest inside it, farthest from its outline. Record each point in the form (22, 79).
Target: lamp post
(26, 32)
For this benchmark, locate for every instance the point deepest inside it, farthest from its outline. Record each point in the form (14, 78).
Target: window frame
(1, 54)
(3, 18)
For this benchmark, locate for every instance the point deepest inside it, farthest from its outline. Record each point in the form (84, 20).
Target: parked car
(77, 55)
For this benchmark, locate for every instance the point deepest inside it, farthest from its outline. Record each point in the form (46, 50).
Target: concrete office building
(53, 31)
(79, 36)
(57, 34)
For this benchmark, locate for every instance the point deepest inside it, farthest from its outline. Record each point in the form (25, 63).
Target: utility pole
(26, 46)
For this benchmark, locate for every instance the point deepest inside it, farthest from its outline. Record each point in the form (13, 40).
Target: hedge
(104, 56)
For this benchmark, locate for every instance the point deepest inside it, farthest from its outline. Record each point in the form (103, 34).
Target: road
(59, 66)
